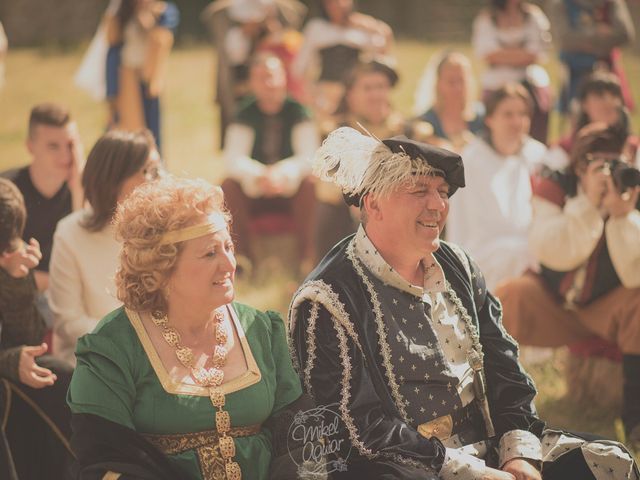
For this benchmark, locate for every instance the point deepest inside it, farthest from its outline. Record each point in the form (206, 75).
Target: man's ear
(29, 144)
(371, 206)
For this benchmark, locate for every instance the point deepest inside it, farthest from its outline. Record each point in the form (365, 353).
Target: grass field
(191, 135)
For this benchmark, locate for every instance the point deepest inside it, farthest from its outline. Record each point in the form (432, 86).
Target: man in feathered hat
(396, 335)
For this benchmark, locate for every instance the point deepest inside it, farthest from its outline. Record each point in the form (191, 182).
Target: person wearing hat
(401, 345)
(366, 106)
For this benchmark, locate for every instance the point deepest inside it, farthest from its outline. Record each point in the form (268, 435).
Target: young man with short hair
(50, 184)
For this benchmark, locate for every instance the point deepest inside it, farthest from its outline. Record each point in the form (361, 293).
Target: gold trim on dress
(172, 444)
(248, 378)
(206, 444)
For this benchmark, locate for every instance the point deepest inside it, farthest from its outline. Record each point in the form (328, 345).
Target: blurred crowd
(554, 226)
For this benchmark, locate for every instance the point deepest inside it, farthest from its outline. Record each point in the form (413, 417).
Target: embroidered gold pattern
(311, 346)
(210, 378)
(250, 377)
(212, 462)
(465, 261)
(345, 393)
(472, 329)
(319, 291)
(385, 350)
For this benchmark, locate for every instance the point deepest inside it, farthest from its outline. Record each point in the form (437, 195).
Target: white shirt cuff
(519, 444)
(459, 465)
(580, 207)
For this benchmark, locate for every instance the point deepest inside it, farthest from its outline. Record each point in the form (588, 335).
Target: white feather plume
(359, 163)
(343, 158)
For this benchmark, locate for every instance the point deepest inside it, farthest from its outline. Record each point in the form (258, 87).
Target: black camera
(624, 176)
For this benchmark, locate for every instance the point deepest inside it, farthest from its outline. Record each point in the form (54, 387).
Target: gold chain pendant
(207, 377)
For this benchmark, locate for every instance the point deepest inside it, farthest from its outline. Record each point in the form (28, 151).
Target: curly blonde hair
(152, 210)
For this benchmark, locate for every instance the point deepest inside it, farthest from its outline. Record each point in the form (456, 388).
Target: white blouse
(491, 216)
(82, 289)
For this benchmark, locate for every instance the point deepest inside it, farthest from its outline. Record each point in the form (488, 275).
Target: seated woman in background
(512, 37)
(446, 100)
(491, 216)
(336, 40)
(85, 250)
(181, 382)
(600, 101)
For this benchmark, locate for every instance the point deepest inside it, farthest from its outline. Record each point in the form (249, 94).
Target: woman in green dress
(181, 382)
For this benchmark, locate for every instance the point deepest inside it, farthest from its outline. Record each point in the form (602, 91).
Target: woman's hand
(19, 262)
(32, 374)
(522, 470)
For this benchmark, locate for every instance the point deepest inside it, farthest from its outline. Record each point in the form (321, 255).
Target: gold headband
(215, 223)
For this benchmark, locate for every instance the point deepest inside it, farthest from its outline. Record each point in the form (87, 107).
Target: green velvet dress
(119, 376)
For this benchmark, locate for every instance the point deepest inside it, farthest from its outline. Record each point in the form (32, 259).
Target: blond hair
(151, 211)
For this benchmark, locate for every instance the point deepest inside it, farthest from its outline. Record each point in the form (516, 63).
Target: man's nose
(434, 201)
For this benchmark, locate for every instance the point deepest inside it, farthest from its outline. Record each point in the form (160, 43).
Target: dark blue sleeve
(170, 18)
(113, 64)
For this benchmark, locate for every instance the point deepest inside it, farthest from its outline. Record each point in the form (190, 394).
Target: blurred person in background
(585, 234)
(242, 28)
(366, 104)
(446, 99)
(589, 34)
(268, 150)
(600, 101)
(35, 427)
(51, 184)
(140, 36)
(512, 38)
(85, 250)
(491, 216)
(333, 44)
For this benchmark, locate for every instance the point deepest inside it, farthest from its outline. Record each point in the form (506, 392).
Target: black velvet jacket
(338, 353)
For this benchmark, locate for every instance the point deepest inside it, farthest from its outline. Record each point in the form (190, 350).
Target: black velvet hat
(361, 164)
(449, 162)
(445, 161)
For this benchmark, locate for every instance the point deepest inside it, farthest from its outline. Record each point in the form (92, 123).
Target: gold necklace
(210, 378)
